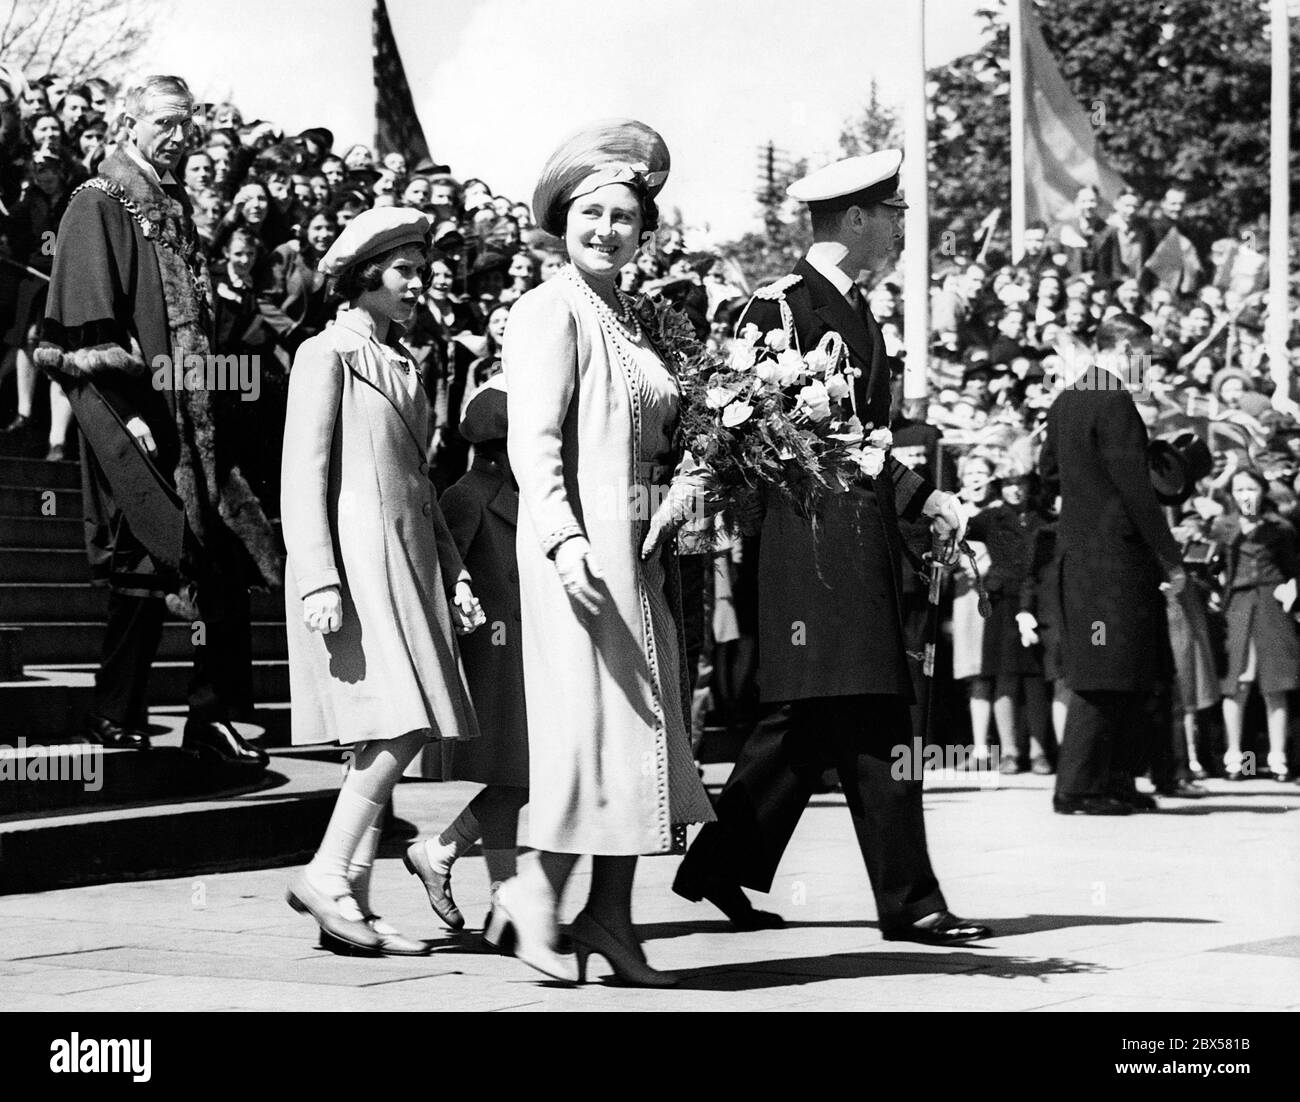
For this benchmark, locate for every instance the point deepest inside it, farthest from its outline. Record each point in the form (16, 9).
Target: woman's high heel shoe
(520, 926)
(628, 962)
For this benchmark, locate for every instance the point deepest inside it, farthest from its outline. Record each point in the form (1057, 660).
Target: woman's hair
(1256, 476)
(310, 216)
(31, 126)
(357, 279)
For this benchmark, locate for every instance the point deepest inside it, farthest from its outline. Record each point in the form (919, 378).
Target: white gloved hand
(1028, 625)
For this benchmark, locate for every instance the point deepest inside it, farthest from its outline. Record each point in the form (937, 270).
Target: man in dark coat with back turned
(128, 334)
(833, 670)
(1113, 548)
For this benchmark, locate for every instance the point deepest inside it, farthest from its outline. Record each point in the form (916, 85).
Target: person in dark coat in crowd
(835, 689)
(1007, 528)
(482, 511)
(128, 312)
(1260, 571)
(1120, 250)
(257, 424)
(1114, 547)
(32, 229)
(294, 296)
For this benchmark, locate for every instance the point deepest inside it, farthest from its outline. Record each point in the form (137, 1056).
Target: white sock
(352, 818)
(362, 865)
(453, 842)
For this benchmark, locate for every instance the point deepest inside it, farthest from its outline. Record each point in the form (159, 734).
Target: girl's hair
(366, 276)
(247, 236)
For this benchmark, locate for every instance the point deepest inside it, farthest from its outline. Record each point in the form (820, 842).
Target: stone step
(30, 603)
(44, 564)
(169, 681)
(72, 642)
(50, 703)
(15, 471)
(76, 777)
(276, 819)
(40, 532)
(40, 501)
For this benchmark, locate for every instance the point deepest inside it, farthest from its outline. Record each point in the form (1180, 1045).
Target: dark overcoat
(1251, 612)
(1113, 543)
(830, 619)
(482, 512)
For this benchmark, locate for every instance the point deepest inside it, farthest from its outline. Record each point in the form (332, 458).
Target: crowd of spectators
(267, 205)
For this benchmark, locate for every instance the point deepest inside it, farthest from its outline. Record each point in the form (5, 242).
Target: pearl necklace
(624, 319)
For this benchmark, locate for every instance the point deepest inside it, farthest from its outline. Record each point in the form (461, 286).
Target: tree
(876, 128)
(75, 38)
(1177, 89)
(771, 252)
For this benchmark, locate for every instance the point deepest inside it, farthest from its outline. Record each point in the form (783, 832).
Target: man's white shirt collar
(149, 170)
(825, 257)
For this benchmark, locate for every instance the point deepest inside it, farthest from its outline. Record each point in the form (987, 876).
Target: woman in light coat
(374, 588)
(592, 408)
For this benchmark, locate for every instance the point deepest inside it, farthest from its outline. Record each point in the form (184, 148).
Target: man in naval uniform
(833, 673)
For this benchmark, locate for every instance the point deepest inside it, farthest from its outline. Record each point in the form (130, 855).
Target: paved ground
(1194, 909)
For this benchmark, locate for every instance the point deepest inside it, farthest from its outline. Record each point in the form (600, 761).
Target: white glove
(1286, 594)
(466, 613)
(140, 431)
(323, 610)
(580, 575)
(1028, 625)
(949, 517)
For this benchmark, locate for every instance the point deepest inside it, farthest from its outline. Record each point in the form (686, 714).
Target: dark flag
(397, 128)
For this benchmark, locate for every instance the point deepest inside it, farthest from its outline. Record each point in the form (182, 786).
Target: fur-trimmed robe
(113, 310)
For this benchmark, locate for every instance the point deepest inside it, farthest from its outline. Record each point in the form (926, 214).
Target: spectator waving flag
(397, 127)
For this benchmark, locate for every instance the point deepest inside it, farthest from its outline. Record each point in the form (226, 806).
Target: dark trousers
(221, 686)
(774, 776)
(1103, 730)
(131, 639)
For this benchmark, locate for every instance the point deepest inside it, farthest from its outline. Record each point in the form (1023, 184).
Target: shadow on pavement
(794, 971)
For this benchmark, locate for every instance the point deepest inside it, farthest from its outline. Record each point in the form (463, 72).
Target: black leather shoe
(1090, 805)
(728, 898)
(948, 929)
(113, 736)
(1182, 790)
(219, 741)
(1138, 801)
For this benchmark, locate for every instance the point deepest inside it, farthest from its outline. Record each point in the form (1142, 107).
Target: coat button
(424, 467)
(428, 509)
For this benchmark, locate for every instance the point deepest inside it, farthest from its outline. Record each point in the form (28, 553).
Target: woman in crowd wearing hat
(374, 587)
(592, 410)
(1260, 572)
(481, 511)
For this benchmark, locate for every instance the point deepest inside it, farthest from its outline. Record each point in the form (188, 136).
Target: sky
(498, 83)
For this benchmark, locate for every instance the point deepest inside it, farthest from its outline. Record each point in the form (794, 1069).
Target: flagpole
(916, 247)
(1279, 209)
(1016, 59)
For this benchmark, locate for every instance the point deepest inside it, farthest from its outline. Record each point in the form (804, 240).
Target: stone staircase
(73, 814)
(53, 619)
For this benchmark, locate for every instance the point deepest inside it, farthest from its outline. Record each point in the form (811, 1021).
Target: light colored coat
(359, 511)
(607, 775)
